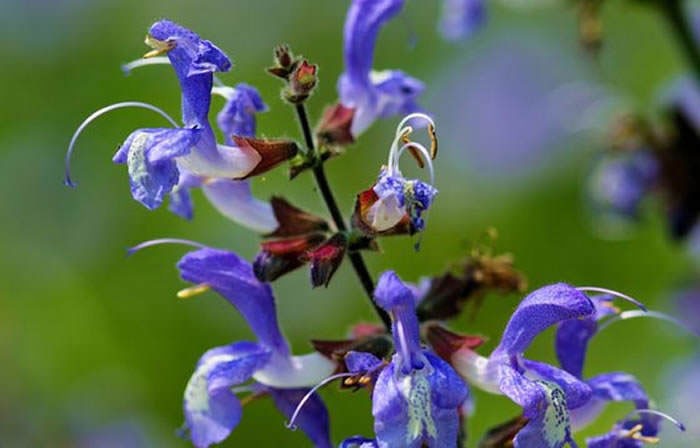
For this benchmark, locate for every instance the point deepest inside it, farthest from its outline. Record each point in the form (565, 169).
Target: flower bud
(301, 82)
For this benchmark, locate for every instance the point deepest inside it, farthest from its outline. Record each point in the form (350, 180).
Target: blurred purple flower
(461, 18)
(507, 108)
(372, 94)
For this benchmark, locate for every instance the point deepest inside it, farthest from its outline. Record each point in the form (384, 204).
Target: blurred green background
(95, 348)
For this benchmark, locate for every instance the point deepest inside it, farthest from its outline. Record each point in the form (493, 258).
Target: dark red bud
(301, 82)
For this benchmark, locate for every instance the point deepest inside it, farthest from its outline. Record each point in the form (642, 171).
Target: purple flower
(232, 198)
(461, 18)
(237, 117)
(545, 393)
(572, 340)
(394, 200)
(417, 396)
(372, 94)
(150, 157)
(211, 408)
(621, 181)
(156, 157)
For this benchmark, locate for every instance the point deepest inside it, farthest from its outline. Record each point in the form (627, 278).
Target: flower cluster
(418, 372)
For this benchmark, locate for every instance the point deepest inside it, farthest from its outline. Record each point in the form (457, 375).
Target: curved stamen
(425, 154)
(632, 314)
(290, 424)
(663, 415)
(620, 295)
(403, 131)
(142, 62)
(409, 117)
(159, 241)
(137, 104)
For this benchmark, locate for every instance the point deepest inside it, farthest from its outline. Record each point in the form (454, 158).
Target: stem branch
(358, 262)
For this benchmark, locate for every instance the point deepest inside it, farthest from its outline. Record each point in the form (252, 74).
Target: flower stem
(358, 262)
(672, 10)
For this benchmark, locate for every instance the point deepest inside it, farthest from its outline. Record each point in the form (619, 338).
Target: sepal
(326, 259)
(334, 127)
(281, 256)
(294, 221)
(272, 152)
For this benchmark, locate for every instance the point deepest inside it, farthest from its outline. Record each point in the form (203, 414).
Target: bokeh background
(95, 350)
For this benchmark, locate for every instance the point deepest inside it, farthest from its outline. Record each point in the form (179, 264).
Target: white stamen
(663, 415)
(156, 242)
(402, 130)
(409, 117)
(620, 295)
(424, 152)
(68, 181)
(290, 424)
(625, 315)
(142, 62)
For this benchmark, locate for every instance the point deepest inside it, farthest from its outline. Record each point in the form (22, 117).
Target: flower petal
(150, 157)
(211, 409)
(362, 24)
(234, 199)
(576, 391)
(544, 404)
(398, 299)
(607, 387)
(194, 61)
(233, 278)
(313, 417)
(372, 94)
(237, 117)
(541, 309)
(361, 362)
(573, 335)
(180, 197)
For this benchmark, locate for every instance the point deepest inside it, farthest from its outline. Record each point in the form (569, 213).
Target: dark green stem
(358, 263)
(674, 14)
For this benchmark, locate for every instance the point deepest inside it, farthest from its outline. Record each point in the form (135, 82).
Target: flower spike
(98, 113)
